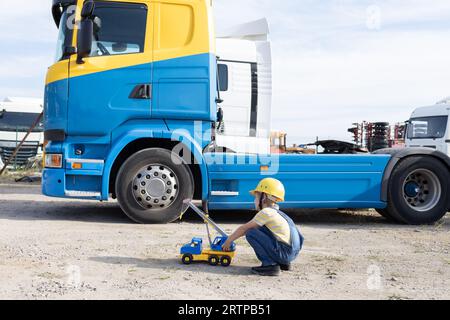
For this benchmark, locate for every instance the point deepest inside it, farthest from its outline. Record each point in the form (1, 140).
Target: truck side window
(223, 77)
(119, 28)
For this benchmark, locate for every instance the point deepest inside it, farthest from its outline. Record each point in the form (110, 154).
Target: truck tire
(151, 187)
(418, 191)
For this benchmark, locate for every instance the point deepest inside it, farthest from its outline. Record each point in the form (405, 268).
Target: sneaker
(286, 267)
(267, 271)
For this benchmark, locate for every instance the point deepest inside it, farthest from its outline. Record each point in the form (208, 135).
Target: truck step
(83, 194)
(225, 193)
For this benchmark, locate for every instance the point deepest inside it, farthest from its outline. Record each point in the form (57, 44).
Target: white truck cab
(17, 115)
(245, 77)
(428, 127)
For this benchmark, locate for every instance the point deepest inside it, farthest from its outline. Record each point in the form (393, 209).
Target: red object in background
(373, 135)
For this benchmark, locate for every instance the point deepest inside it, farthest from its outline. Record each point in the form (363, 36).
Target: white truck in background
(245, 77)
(17, 115)
(429, 127)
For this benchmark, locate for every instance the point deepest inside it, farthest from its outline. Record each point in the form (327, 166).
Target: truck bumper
(53, 182)
(60, 183)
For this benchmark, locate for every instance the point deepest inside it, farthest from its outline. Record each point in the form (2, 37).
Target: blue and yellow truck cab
(131, 113)
(194, 252)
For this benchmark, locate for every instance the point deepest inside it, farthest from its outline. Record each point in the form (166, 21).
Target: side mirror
(86, 32)
(88, 10)
(84, 43)
(222, 70)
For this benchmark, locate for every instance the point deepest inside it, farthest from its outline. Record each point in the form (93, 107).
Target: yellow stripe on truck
(58, 71)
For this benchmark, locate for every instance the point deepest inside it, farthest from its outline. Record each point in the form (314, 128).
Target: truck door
(113, 85)
(238, 99)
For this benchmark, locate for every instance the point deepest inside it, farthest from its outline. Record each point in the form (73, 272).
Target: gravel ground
(59, 249)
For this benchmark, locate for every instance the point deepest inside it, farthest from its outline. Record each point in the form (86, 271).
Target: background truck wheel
(213, 260)
(418, 191)
(151, 188)
(225, 261)
(187, 259)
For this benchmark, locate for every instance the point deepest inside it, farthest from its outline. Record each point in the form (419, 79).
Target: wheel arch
(134, 141)
(399, 155)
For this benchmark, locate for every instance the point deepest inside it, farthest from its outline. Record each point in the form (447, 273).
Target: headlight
(53, 161)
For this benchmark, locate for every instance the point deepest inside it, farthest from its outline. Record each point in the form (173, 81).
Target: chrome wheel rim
(155, 187)
(422, 190)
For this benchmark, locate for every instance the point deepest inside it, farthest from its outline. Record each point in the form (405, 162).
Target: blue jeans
(269, 250)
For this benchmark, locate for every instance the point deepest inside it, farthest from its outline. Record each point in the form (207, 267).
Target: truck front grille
(28, 150)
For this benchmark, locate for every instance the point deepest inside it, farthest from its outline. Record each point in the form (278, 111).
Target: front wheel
(152, 185)
(187, 259)
(418, 191)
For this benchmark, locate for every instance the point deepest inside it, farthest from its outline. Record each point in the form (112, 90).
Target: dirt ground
(59, 249)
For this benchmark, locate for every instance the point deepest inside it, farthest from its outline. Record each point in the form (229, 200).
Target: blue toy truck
(194, 252)
(215, 255)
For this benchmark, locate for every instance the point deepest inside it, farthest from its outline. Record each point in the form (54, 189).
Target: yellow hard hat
(272, 187)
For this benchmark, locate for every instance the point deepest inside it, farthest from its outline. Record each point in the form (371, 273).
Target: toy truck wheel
(151, 186)
(225, 261)
(187, 259)
(418, 191)
(213, 260)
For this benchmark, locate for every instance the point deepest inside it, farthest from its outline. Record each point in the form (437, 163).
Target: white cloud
(23, 67)
(28, 37)
(330, 70)
(26, 21)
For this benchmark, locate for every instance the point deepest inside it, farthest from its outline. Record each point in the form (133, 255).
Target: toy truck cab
(193, 248)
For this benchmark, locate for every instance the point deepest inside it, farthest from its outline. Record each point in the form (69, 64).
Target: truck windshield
(18, 121)
(65, 32)
(427, 128)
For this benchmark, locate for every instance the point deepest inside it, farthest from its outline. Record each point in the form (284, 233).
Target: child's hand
(227, 246)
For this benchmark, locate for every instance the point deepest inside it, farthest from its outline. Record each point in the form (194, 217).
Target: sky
(335, 62)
